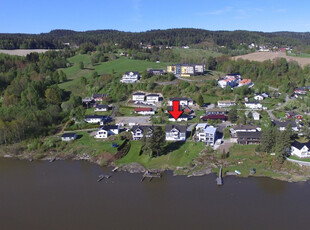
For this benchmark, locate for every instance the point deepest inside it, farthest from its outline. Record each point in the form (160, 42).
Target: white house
(229, 80)
(175, 133)
(256, 116)
(145, 111)
(152, 98)
(207, 135)
(94, 118)
(101, 108)
(68, 136)
(201, 126)
(223, 104)
(243, 129)
(283, 124)
(106, 131)
(253, 105)
(182, 117)
(301, 150)
(130, 77)
(183, 101)
(259, 97)
(138, 96)
(138, 131)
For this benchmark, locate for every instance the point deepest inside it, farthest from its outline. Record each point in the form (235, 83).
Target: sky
(41, 16)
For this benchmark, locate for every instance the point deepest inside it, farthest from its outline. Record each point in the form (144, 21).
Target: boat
(238, 172)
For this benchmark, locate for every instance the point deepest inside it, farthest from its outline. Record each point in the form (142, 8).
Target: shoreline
(135, 167)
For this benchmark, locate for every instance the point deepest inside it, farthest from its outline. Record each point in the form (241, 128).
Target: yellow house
(171, 69)
(187, 70)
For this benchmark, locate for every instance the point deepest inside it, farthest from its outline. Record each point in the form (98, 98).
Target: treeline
(170, 37)
(31, 101)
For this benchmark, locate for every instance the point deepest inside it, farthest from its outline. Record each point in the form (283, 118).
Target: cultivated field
(263, 56)
(23, 52)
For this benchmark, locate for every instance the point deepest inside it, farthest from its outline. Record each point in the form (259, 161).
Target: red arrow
(176, 112)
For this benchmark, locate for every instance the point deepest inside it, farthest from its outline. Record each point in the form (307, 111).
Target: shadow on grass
(79, 136)
(172, 146)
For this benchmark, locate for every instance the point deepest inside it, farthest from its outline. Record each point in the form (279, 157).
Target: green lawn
(303, 55)
(178, 154)
(127, 111)
(87, 144)
(189, 54)
(299, 159)
(278, 114)
(118, 66)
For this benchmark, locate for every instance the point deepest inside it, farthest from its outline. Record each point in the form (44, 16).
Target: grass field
(118, 66)
(303, 55)
(179, 154)
(90, 145)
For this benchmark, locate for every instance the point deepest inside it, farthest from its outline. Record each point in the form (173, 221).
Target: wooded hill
(170, 37)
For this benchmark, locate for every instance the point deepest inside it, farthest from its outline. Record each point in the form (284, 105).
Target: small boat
(238, 172)
(115, 169)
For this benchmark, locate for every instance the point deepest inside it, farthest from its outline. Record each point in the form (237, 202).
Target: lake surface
(66, 195)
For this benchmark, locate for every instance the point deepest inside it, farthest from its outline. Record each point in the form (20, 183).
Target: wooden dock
(219, 179)
(102, 176)
(150, 175)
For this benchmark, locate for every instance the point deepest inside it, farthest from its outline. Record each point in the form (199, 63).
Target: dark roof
(68, 135)
(284, 123)
(135, 72)
(291, 113)
(142, 109)
(143, 128)
(249, 135)
(152, 95)
(181, 128)
(299, 145)
(252, 102)
(99, 106)
(183, 115)
(170, 108)
(98, 95)
(139, 93)
(95, 116)
(108, 127)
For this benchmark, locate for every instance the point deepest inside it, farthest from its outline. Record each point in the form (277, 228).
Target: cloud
(137, 16)
(217, 12)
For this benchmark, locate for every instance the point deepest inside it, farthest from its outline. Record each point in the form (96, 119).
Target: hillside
(170, 37)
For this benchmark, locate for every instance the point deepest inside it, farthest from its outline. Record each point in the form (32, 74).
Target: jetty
(150, 175)
(102, 176)
(219, 179)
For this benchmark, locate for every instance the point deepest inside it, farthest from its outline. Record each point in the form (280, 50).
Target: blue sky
(36, 16)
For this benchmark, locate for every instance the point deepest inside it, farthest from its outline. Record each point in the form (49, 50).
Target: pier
(150, 175)
(219, 179)
(102, 176)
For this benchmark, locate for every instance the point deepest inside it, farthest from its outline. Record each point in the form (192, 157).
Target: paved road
(115, 109)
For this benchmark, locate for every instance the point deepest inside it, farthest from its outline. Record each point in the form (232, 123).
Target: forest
(170, 37)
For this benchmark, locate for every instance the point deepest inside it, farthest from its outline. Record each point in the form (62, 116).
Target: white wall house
(253, 105)
(223, 104)
(301, 150)
(94, 118)
(256, 116)
(259, 97)
(207, 135)
(175, 133)
(68, 136)
(106, 131)
(152, 98)
(138, 96)
(182, 117)
(138, 132)
(101, 108)
(183, 101)
(130, 77)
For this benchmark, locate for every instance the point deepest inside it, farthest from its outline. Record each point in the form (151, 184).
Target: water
(66, 195)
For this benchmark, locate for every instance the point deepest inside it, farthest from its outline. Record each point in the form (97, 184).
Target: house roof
(134, 72)
(201, 125)
(183, 115)
(99, 106)
(252, 102)
(216, 110)
(284, 123)
(210, 129)
(299, 145)
(245, 81)
(139, 94)
(249, 134)
(215, 116)
(109, 127)
(227, 101)
(68, 135)
(143, 128)
(94, 116)
(142, 109)
(152, 95)
(180, 99)
(181, 128)
(98, 95)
